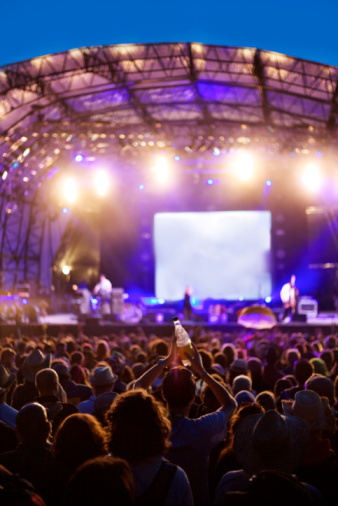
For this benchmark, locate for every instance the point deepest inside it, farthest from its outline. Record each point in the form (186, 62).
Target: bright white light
(101, 182)
(4, 175)
(244, 165)
(66, 270)
(312, 178)
(70, 190)
(162, 169)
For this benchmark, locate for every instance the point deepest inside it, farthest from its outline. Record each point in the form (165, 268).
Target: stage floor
(53, 324)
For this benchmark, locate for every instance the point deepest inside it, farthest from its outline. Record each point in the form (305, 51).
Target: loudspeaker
(299, 317)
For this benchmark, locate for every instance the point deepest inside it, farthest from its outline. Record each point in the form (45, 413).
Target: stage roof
(127, 99)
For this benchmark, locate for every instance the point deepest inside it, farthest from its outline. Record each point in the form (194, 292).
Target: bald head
(32, 424)
(47, 382)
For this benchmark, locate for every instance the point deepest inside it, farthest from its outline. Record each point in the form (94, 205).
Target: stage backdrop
(220, 255)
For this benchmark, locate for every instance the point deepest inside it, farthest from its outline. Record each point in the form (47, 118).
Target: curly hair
(79, 437)
(138, 426)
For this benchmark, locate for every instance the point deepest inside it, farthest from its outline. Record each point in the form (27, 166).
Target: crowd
(118, 420)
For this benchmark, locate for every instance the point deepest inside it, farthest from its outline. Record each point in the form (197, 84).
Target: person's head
(322, 386)
(61, 349)
(138, 427)
(102, 277)
(7, 379)
(77, 357)
(179, 388)
(311, 408)
(79, 437)
(102, 480)
(293, 280)
(237, 368)
(281, 385)
(230, 353)
(303, 370)
(241, 382)
(102, 350)
(270, 441)
(34, 362)
(292, 355)
(47, 382)
(319, 366)
(7, 357)
(266, 399)
(102, 380)
(32, 425)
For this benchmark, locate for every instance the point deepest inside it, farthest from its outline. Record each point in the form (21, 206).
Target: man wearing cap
(102, 380)
(7, 413)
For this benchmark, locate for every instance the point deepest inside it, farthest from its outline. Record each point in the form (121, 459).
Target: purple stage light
(159, 317)
(216, 152)
(65, 210)
(177, 158)
(78, 158)
(141, 186)
(268, 182)
(268, 299)
(210, 182)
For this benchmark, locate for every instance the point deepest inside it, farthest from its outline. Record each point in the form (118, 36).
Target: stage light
(66, 270)
(65, 210)
(4, 175)
(311, 177)
(162, 169)
(15, 164)
(216, 152)
(78, 158)
(268, 299)
(141, 186)
(177, 158)
(244, 165)
(101, 183)
(70, 190)
(268, 182)
(210, 182)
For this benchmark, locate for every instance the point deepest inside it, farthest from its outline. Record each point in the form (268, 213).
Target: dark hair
(79, 437)
(178, 387)
(103, 480)
(138, 426)
(303, 370)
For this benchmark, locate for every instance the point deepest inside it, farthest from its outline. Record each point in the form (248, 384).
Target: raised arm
(148, 378)
(226, 400)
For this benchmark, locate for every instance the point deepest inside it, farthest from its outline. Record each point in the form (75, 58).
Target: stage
(54, 324)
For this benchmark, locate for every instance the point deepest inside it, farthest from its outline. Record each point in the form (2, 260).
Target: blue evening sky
(302, 28)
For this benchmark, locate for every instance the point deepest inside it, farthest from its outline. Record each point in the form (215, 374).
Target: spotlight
(311, 177)
(141, 186)
(244, 165)
(216, 152)
(161, 169)
(177, 158)
(66, 270)
(210, 182)
(268, 299)
(268, 182)
(101, 183)
(65, 210)
(70, 190)
(78, 158)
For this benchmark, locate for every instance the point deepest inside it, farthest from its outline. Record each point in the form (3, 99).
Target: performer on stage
(104, 289)
(289, 295)
(187, 307)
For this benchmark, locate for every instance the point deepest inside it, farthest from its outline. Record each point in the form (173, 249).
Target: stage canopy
(128, 102)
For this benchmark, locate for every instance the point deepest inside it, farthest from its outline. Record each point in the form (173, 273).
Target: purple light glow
(210, 182)
(268, 182)
(141, 186)
(177, 158)
(78, 158)
(65, 210)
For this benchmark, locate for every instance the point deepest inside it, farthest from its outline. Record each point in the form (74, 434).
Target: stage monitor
(220, 255)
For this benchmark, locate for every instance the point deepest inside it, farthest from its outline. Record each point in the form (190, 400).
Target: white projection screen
(220, 255)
